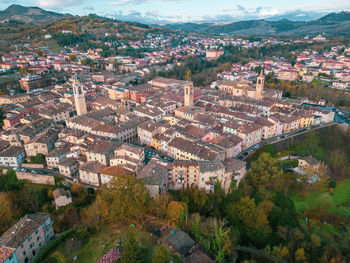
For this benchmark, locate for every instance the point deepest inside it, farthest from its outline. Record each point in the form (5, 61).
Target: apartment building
(12, 156)
(27, 237)
(129, 157)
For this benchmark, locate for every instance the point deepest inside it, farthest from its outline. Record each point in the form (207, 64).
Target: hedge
(50, 247)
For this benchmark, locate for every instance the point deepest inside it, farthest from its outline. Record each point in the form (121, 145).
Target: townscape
(201, 141)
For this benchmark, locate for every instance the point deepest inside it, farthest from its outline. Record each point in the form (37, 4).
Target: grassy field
(53, 46)
(339, 197)
(101, 242)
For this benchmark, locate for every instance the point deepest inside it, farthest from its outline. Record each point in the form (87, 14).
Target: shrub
(50, 247)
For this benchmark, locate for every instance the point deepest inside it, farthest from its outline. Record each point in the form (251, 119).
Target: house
(213, 53)
(101, 151)
(43, 143)
(147, 130)
(308, 162)
(62, 197)
(68, 167)
(286, 74)
(130, 157)
(234, 169)
(181, 243)
(27, 237)
(12, 156)
(56, 156)
(110, 172)
(155, 174)
(89, 173)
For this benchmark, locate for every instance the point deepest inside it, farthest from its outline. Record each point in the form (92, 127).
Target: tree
(96, 214)
(161, 255)
(266, 174)
(175, 210)
(188, 75)
(77, 188)
(9, 182)
(38, 159)
(126, 198)
(6, 212)
(251, 220)
(132, 252)
(300, 255)
(72, 57)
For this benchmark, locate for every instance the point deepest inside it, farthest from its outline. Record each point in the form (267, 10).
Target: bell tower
(79, 97)
(260, 86)
(189, 94)
(125, 104)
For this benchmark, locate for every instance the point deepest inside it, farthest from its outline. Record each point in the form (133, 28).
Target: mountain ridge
(30, 15)
(332, 24)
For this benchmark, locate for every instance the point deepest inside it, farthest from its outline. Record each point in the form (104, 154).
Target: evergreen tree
(132, 251)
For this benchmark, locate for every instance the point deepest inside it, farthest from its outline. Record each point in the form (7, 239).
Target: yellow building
(170, 120)
(188, 113)
(156, 142)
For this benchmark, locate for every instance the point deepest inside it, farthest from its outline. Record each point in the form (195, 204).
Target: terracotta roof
(5, 253)
(20, 231)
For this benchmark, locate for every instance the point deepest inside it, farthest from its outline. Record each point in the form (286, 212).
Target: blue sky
(189, 10)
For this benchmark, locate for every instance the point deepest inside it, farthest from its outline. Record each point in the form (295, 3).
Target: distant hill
(334, 24)
(29, 15)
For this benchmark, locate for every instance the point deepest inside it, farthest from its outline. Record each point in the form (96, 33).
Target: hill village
(92, 126)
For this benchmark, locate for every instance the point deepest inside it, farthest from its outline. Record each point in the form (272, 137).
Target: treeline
(258, 214)
(17, 198)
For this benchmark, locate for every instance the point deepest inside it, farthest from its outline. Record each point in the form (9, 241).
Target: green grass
(340, 195)
(53, 46)
(38, 186)
(101, 242)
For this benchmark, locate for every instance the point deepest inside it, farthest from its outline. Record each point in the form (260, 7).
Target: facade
(28, 236)
(155, 175)
(100, 151)
(12, 156)
(62, 197)
(130, 157)
(89, 173)
(43, 143)
(213, 54)
(68, 167)
(291, 75)
(31, 82)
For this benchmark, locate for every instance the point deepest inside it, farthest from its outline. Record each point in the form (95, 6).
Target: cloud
(128, 2)
(138, 2)
(58, 3)
(328, 5)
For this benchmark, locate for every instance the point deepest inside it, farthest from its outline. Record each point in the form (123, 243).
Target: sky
(172, 11)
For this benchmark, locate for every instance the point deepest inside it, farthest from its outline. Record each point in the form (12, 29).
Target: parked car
(41, 172)
(34, 171)
(24, 170)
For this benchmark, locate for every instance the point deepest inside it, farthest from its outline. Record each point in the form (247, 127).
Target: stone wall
(36, 178)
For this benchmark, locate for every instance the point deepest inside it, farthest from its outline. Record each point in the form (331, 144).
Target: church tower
(260, 86)
(125, 104)
(189, 94)
(79, 97)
